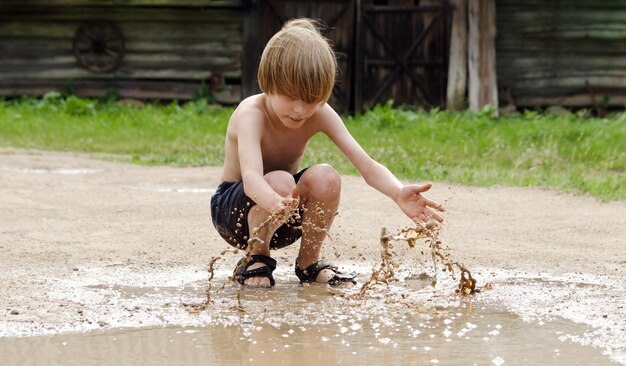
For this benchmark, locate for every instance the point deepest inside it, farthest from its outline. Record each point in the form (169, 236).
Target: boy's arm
(251, 164)
(409, 198)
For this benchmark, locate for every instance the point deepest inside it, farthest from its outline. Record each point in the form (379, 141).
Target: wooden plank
(175, 72)
(558, 63)
(122, 14)
(614, 79)
(578, 100)
(42, 48)
(547, 24)
(483, 90)
(429, 8)
(126, 3)
(74, 74)
(545, 17)
(513, 49)
(131, 66)
(165, 31)
(584, 5)
(571, 82)
(457, 70)
(582, 34)
(228, 94)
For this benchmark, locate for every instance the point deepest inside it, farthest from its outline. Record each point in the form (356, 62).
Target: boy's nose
(298, 108)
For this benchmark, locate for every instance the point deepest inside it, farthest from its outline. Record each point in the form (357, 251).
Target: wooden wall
(170, 51)
(561, 52)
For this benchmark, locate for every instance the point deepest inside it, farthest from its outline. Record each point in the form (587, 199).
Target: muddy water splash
(243, 263)
(385, 274)
(198, 307)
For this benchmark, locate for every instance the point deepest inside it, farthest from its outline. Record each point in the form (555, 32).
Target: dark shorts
(229, 213)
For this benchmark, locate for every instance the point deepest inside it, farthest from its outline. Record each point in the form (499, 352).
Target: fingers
(421, 218)
(435, 205)
(433, 215)
(426, 216)
(295, 193)
(292, 201)
(417, 188)
(288, 205)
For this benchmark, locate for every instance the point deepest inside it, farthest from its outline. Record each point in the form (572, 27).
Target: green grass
(571, 152)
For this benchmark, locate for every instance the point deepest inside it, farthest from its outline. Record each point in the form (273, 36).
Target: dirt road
(70, 222)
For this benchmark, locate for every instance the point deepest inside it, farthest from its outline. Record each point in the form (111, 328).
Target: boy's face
(292, 112)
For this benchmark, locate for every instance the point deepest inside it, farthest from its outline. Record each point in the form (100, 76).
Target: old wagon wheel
(99, 46)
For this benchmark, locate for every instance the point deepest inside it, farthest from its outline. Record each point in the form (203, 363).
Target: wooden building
(171, 49)
(418, 52)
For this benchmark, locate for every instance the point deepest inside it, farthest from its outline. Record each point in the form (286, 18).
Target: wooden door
(401, 53)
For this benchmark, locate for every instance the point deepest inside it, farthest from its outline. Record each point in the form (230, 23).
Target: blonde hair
(298, 62)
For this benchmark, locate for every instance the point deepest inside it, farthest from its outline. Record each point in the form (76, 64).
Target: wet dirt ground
(97, 258)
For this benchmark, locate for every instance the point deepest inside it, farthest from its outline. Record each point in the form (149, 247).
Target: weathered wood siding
(563, 52)
(169, 52)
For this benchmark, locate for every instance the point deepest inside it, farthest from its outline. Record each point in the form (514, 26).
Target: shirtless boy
(265, 140)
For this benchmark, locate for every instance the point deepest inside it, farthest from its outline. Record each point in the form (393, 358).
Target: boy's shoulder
(248, 113)
(250, 107)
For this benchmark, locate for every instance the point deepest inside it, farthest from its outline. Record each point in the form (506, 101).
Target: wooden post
(483, 87)
(457, 69)
(253, 44)
(359, 69)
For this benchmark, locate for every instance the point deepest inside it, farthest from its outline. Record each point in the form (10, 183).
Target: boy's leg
(282, 182)
(320, 188)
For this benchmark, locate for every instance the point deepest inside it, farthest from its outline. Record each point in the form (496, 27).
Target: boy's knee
(325, 181)
(329, 177)
(281, 181)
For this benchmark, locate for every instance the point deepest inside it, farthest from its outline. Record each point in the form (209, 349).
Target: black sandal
(244, 273)
(310, 273)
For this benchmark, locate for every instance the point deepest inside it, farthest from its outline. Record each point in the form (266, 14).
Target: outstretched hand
(417, 207)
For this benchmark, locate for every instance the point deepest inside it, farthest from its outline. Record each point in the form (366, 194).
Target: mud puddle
(522, 320)
(469, 334)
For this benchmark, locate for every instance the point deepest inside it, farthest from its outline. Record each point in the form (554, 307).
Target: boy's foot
(257, 281)
(258, 271)
(323, 272)
(325, 275)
